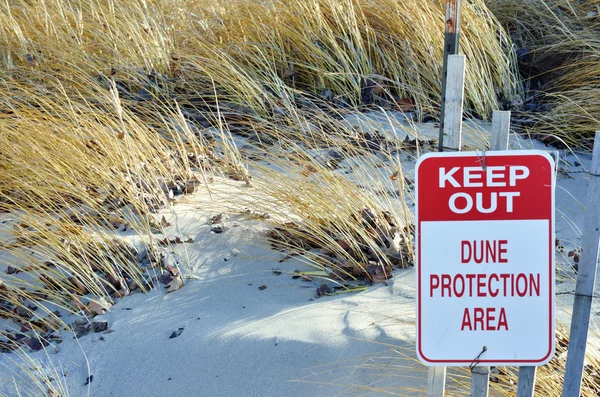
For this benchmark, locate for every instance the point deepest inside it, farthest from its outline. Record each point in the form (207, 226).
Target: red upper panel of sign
(495, 187)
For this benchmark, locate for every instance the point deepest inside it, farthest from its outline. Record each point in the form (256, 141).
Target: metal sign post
(436, 377)
(451, 46)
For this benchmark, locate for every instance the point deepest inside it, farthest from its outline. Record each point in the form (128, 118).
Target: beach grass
(108, 109)
(559, 51)
(104, 105)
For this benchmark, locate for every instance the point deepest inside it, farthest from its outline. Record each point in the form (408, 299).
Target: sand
(240, 339)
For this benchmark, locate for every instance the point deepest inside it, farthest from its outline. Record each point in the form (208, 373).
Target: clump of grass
(353, 52)
(336, 196)
(77, 167)
(558, 43)
(574, 109)
(39, 375)
(260, 54)
(101, 99)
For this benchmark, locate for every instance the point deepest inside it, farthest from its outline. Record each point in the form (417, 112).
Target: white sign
(485, 258)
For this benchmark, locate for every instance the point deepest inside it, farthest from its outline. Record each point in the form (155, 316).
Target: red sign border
(551, 266)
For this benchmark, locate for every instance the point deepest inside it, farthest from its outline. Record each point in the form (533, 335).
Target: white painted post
(586, 277)
(499, 141)
(480, 381)
(526, 381)
(436, 377)
(436, 381)
(451, 47)
(455, 90)
(480, 375)
(500, 130)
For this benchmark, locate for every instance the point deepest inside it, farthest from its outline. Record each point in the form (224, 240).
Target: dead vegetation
(109, 110)
(557, 42)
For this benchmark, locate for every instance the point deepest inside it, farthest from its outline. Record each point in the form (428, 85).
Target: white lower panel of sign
(485, 283)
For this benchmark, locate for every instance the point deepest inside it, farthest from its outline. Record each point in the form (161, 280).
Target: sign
(485, 258)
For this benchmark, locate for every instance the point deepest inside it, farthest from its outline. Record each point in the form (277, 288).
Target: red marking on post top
(451, 15)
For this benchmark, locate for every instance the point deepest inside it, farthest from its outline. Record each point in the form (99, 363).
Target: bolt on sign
(485, 258)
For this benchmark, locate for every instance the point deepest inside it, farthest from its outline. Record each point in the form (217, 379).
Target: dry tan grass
(103, 105)
(256, 52)
(350, 48)
(351, 222)
(563, 45)
(97, 100)
(76, 165)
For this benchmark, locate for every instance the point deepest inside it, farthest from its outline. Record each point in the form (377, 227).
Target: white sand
(241, 341)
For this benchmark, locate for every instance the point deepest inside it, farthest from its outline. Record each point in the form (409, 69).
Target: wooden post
(455, 90)
(500, 130)
(480, 381)
(480, 375)
(436, 377)
(499, 141)
(451, 46)
(526, 381)
(586, 277)
(436, 381)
